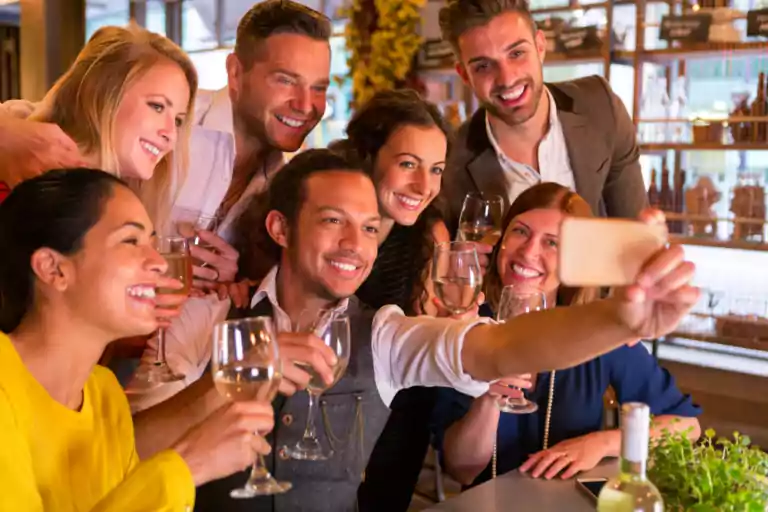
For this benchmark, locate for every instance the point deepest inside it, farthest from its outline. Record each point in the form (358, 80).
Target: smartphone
(591, 486)
(606, 252)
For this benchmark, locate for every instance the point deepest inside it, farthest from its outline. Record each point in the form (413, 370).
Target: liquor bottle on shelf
(630, 490)
(679, 227)
(653, 191)
(758, 110)
(666, 195)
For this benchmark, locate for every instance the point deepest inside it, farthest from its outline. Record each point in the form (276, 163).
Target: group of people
(124, 141)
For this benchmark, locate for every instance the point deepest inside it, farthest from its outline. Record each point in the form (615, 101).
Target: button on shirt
(554, 163)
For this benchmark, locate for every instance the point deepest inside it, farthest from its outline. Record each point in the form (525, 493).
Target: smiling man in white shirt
(320, 227)
(277, 78)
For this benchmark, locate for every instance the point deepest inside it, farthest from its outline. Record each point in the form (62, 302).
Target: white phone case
(606, 252)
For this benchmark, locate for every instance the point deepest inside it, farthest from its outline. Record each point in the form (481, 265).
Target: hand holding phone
(606, 252)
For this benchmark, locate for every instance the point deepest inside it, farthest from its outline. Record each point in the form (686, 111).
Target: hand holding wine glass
(333, 330)
(175, 250)
(456, 276)
(246, 367)
(517, 301)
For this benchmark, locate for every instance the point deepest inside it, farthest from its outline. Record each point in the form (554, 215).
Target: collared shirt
(407, 351)
(212, 160)
(554, 162)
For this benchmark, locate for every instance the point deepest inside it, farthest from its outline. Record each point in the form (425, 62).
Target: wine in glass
(175, 250)
(246, 366)
(516, 301)
(457, 275)
(333, 330)
(480, 219)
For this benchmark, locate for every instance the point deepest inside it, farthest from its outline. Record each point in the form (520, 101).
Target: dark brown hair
(274, 17)
(286, 194)
(369, 130)
(459, 16)
(548, 196)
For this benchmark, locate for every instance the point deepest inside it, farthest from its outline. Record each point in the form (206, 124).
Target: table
(515, 491)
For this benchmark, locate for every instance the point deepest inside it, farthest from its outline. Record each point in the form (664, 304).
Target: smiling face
(528, 254)
(334, 241)
(282, 97)
(148, 119)
(409, 171)
(502, 63)
(112, 277)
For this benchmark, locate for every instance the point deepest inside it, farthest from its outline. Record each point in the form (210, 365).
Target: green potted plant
(712, 475)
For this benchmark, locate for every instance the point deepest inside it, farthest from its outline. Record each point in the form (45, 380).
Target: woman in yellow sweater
(77, 270)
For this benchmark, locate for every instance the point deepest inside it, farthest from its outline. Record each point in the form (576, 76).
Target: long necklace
(547, 419)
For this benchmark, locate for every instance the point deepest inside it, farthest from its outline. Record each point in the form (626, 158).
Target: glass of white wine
(457, 275)
(480, 219)
(515, 301)
(246, 366)
(333, 330)
(175, 250)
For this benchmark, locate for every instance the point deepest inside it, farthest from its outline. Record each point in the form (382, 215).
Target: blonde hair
(547, 195)
(85, 100)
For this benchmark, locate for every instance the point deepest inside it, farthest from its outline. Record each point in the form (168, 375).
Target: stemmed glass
(246, 366)
(187, 222)
(480, 219)
(175, 250)
(456, 275)
(333, 330)
(516, 301)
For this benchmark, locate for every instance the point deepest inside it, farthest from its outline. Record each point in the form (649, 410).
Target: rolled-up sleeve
(420, 351)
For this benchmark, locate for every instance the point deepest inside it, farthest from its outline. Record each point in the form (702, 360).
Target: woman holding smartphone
(564, 436)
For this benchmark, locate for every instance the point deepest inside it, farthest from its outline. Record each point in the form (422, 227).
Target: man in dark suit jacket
(577, 133)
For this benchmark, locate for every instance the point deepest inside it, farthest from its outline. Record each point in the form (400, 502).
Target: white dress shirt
(407, 351)
(554, 162)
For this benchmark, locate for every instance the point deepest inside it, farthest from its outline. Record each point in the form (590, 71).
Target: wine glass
(516, 300)
(246, 366)
(457, 275)
(187, 223)
(480, 219)
(175, 250)
(333, 330)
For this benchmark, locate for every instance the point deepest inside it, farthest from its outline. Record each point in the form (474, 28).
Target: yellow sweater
(55, 459)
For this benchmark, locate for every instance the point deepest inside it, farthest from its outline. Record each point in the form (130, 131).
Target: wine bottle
(666, 196)
(653, 191)
(758, 109)
(630, 490)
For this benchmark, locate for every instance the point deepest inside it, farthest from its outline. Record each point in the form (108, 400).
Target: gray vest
(351, 420)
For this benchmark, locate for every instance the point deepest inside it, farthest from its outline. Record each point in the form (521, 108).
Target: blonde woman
(125, 102)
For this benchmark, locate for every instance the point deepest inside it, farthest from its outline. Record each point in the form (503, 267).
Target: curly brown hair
(368, 131)
(549, 196)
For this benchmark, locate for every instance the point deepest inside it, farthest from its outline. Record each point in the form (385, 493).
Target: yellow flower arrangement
(383, 44)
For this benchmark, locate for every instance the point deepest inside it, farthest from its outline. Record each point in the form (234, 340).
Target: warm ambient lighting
(8, 2)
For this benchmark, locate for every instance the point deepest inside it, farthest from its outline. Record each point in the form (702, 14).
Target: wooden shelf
(704, 51)
(714, 242)
(713, 337)
(701, 146)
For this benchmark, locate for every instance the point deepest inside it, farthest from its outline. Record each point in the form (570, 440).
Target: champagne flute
(333, 330)
(457, 275)
(246, 366)
(175, 250)
(516, 301)
(480, 219)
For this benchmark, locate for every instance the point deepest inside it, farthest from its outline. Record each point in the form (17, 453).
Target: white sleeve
(420, 351)
(187, 350)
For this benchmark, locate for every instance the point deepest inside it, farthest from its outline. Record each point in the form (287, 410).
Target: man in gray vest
(320, 222)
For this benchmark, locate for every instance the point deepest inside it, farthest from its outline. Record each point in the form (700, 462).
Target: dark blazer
(602, 148)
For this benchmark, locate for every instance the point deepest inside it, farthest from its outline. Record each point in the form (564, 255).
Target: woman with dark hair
(403, 140)
(78, 270)
(564, 436)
